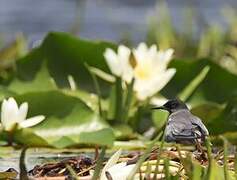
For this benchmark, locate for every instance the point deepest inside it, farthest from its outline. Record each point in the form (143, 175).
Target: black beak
(160, 107)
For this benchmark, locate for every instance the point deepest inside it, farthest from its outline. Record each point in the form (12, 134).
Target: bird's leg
(200, 149)
(198, 146)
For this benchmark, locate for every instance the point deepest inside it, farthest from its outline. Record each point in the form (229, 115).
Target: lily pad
(227, 120)
(208, 111)
(69, 122)
(41, 82)
(218, 86)
(65, 55)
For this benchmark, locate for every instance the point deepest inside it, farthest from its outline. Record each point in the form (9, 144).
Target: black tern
(182, 126)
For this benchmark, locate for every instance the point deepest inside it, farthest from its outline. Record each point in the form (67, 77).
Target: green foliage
(75, 117)
(67, 55)
(68, 122)
(38, 80)
(64, 55)
(226, 119)
(10, 53)
(192, 86)
(99, 164)
(218, 86)
(41, 82)
(41, 78)
(143, 158)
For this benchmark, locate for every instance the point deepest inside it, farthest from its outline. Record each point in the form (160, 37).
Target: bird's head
(173, 105)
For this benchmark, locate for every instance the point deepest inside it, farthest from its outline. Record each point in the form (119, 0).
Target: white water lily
(118, 171)
(151, 73)
(11, 115)
(119, 62)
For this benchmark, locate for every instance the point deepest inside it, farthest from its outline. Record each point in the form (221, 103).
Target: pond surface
(9, 158)
(99, 19)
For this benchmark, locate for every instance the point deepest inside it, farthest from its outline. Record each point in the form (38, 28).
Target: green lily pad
(41, 82)
(68, 122)
(66, 55)
(208, 111)
(218, 86)
(227, 119)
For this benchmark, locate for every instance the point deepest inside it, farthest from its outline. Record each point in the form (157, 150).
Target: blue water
(99, 19)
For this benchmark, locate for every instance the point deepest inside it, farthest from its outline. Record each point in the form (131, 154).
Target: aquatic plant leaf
(226, 120)
(69, 122)
(41, 82)
(218, 86)
(192, 86)
(60, 55)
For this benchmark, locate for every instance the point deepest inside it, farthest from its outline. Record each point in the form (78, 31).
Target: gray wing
(179, 127)
(197, 124)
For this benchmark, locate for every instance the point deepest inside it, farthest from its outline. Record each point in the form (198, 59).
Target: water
(9, 158)
(97, 19)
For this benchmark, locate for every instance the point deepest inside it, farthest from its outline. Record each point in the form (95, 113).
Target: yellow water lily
(151, 73)
(118, 62)
(11, 115)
